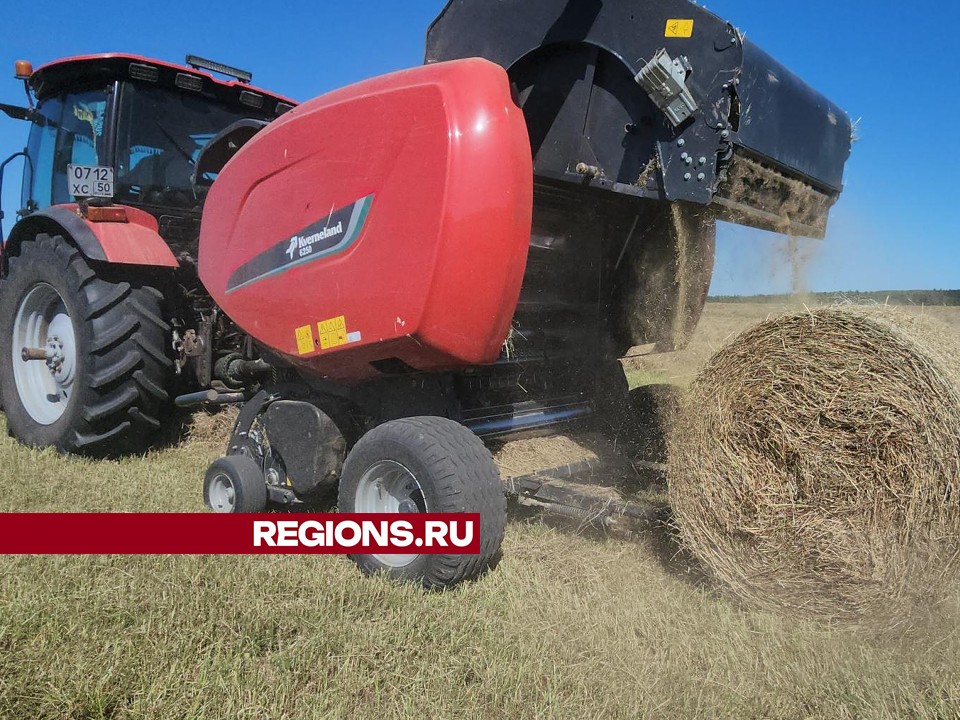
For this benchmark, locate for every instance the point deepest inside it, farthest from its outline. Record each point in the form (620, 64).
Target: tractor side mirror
(16, 112)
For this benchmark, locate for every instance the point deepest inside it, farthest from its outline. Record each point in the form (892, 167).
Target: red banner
(224, 534)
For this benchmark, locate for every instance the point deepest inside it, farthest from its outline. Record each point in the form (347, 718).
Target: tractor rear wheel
(82, 356)
(426, 464)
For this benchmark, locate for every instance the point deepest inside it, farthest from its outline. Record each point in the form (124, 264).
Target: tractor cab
(142, 122)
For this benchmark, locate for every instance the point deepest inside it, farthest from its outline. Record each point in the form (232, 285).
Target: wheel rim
(222, 494)
(389, 487)
(45, 387)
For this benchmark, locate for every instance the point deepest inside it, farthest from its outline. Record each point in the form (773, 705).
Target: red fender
(134, 242)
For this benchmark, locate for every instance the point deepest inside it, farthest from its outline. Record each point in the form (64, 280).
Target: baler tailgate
(660, 99)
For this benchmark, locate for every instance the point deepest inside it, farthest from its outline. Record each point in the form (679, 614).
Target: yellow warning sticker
(679, 28)
(304, 339)
(333, 332)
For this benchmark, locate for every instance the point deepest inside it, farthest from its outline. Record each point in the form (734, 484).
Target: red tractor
(102, 317)
(392, 272)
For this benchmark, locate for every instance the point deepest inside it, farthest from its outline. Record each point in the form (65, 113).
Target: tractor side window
(37, 190)
(80, 140)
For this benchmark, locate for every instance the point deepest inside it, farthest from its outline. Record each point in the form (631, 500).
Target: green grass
(566, 626)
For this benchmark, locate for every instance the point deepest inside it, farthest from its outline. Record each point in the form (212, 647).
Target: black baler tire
(122, 372)
(456, 474)
(245, 475)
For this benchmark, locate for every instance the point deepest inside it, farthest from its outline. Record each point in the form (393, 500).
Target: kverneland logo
(303, 244)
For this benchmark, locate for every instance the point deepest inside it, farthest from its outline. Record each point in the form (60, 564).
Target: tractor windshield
(160, 134)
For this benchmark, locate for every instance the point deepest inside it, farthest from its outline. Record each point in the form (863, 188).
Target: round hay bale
(814, 464)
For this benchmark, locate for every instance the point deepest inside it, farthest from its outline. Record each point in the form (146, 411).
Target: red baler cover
(388, 219)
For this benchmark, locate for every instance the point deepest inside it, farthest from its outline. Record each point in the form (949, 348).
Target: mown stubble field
(570, 625)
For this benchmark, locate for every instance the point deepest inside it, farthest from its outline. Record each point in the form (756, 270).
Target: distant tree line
(894, 297)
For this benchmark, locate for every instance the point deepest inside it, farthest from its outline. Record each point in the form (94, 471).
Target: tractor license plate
(90, 181)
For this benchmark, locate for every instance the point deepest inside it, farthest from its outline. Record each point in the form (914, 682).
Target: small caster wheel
(235, 484)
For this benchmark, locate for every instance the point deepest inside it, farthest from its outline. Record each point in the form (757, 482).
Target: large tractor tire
(97, 382)
(426, 464)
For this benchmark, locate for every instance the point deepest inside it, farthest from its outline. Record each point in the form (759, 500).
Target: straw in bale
(814, 464)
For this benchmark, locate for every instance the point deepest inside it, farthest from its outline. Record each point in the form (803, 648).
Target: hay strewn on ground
(815, 464)
(212, 425)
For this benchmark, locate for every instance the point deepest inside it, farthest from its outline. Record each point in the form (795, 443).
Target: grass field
(570, 625)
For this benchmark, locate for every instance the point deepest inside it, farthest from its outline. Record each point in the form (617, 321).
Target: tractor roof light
(251, 99)
(244, 76)
(142, 71)
(193, 83)
(22, 70)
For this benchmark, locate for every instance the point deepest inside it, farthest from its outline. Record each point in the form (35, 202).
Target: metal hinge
(665, 80)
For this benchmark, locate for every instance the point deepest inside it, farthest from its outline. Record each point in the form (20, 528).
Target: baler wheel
(82, 356)
(235, 484)
(426, 464)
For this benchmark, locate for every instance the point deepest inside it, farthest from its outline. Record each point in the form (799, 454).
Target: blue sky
(890, 63)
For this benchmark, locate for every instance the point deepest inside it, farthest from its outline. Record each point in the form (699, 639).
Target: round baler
(466, 248)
